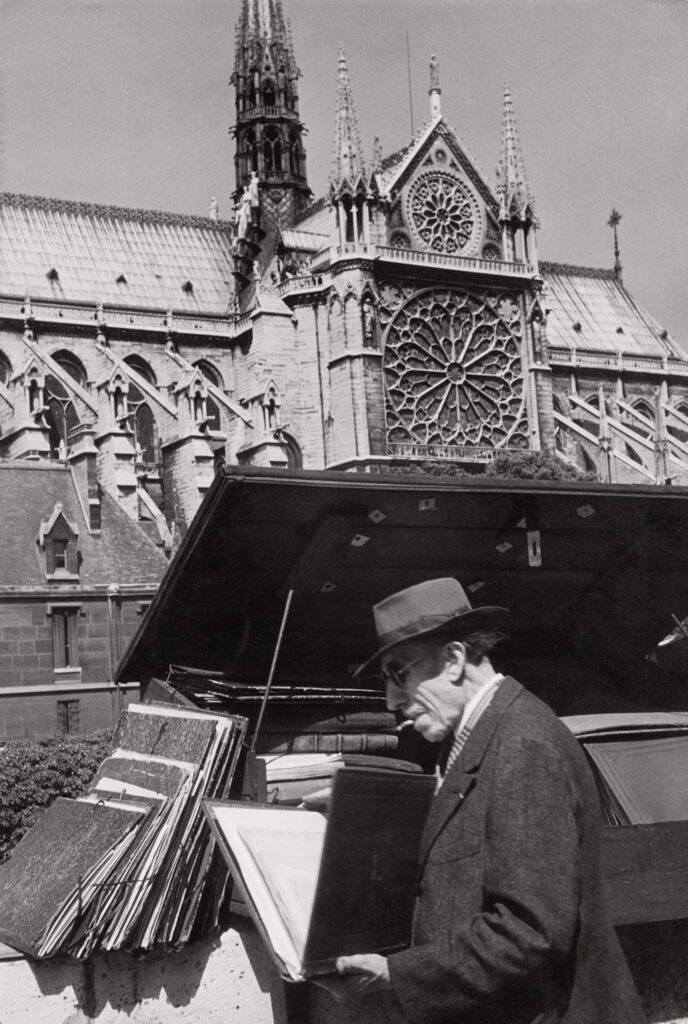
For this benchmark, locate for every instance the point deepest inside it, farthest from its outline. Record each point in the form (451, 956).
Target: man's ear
(455, 656)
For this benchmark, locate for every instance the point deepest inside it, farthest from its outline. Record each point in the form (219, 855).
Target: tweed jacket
(510, 923)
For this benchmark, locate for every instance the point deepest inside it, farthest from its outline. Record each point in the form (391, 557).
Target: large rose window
(442, 212)
(453, 371)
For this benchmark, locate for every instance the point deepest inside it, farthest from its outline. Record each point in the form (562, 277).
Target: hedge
(34, 772)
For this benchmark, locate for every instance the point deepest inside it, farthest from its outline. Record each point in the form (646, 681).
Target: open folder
(318, 886)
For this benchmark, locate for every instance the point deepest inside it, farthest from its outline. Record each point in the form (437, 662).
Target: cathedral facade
(403, 318)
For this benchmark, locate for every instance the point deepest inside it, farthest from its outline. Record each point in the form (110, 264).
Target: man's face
(424, 682)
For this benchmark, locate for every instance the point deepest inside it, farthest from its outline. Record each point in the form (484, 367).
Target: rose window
(442, 212)
(453, 371)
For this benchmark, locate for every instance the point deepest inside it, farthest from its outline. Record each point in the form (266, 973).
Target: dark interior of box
(591, 573)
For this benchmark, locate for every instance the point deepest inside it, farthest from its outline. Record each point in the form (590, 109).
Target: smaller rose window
(442, 212)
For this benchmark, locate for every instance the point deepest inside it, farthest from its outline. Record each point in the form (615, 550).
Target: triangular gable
(48, 525)
(394, 178)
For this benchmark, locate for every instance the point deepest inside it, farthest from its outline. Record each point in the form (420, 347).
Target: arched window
(272, 149)
(5, 369)
(294, 154)
(71, 365)
(143, 425)
(252, 96)
(141, 367)
(60, 417)
(212, 410)
(251, 150)
(269, 94)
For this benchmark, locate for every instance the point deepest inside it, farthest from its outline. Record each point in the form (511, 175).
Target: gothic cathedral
(403, 318)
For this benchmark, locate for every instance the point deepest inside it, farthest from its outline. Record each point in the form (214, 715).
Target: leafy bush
(34, 772)
(534, 466)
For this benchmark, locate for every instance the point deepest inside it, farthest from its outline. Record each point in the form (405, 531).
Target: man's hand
(364, 974)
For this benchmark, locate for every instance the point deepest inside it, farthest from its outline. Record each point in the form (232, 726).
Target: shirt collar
(475, 699)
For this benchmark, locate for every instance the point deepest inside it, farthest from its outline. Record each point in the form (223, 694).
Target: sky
(127, 102)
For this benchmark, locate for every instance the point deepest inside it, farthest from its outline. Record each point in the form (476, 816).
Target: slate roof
(122, 553)
(599, 303)
(63, 250)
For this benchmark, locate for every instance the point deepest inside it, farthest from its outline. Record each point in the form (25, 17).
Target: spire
(613, 223)
(513, 190)
(268, 130)
(348, 166)
(263, 39)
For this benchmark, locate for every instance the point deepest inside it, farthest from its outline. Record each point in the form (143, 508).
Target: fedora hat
(435, 606)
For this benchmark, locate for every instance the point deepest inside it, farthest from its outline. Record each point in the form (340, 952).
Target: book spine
(328, 743)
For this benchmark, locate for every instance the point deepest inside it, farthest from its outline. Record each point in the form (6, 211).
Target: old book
(319, 887)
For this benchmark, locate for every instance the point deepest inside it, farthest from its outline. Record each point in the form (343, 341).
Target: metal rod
(408, 66)
(273, 666)
(680, 626)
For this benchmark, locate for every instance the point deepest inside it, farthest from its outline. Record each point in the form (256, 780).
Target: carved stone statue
(243, 214)
(253, 189)
(434, 72)
(213, 208)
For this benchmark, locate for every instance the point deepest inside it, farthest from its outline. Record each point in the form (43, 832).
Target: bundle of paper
(322, 887)
(58, 868)
(153, 878)
(290, 777)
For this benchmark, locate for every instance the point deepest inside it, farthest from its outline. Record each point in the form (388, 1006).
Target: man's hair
(478, 645)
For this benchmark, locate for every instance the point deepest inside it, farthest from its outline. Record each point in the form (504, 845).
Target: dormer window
(187, 288)
(53, 275)
(58, 539)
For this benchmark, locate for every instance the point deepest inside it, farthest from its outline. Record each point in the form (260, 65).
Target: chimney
(83, 456)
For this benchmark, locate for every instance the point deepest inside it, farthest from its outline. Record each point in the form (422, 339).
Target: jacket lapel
(462, 775)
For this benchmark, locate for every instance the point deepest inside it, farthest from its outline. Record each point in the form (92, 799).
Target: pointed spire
(263, 34)
(613, 223)
(348, 166)
(513, 189)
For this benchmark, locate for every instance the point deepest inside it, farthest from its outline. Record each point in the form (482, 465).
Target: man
(510, 924)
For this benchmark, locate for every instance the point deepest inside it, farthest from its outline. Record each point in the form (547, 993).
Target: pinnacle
(348, 161)
(515, 196)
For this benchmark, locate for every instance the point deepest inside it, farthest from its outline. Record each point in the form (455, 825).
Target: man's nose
(395, 697)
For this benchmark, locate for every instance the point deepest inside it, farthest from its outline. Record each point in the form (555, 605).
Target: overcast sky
(127, 102)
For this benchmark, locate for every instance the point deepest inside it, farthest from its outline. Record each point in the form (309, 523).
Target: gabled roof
(589, 309)
(63, 250)
(404, 162)
(121, 553)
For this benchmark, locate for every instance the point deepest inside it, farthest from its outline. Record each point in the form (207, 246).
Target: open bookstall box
(318, 886)
(586, 612)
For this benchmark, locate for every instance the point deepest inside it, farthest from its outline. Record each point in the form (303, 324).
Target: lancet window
(60, 416)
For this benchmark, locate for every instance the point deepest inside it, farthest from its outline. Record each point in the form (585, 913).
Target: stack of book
(131, 864)
(298, 719)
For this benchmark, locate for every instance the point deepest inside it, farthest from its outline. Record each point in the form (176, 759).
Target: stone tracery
(453, 371)
(442, 212)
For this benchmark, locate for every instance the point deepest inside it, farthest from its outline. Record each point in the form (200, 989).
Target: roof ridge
(75, 206)
(603, 273)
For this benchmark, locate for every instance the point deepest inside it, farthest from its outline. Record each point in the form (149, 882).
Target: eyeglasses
(394, 675)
